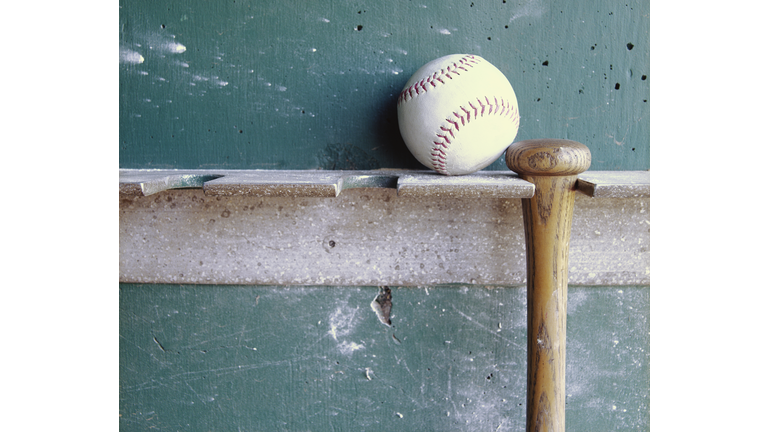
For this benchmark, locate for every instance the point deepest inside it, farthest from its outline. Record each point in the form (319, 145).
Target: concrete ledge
(366, 236)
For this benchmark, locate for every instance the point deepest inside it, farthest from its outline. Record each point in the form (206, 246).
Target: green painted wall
(312, 84)
(318, 359)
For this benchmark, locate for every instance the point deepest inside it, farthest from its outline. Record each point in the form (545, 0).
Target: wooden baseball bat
(552, 166)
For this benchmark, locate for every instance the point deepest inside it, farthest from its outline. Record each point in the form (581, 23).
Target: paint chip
(382, 305)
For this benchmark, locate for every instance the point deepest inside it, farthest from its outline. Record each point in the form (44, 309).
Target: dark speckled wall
(313, 84)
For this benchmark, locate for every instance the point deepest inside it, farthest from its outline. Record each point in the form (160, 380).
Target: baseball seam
(461, 118)
(439, 77)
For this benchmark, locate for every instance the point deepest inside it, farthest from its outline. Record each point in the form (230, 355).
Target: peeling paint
(382, 305)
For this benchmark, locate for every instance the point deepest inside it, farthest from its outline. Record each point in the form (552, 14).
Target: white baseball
(457, 114)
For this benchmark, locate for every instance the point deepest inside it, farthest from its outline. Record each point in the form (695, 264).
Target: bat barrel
(552, 166)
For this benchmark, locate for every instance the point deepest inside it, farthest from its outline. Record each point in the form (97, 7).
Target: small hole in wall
(489, 38)
(630, 46)
(617, 86)
(358, 28)
(546, 63)
(643, 77)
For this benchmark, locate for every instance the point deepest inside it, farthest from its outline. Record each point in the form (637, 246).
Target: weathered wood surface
(319, 183)
(552, 165)
(615, 184)
(483, 184)
(367, 236)
(411, 183)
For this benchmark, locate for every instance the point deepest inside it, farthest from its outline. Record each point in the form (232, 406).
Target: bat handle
(552, 166)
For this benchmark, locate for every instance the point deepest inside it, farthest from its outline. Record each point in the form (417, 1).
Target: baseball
(457, 114)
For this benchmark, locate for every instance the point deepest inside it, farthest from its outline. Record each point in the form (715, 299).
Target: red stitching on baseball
(462, 63)
(438, 150)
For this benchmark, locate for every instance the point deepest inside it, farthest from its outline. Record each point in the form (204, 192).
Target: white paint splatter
(342, 323)
(347, 348)
(444, 31)
(130, 56)
(161, 43)
(174, 48)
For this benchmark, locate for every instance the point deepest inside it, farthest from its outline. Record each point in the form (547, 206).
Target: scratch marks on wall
(530, 8)
(589, 374)
(342, 323)
(488, 330)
